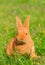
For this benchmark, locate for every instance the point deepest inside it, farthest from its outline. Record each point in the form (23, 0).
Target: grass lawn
(8, 11)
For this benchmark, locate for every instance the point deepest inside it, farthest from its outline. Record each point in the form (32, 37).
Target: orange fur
(23, 35)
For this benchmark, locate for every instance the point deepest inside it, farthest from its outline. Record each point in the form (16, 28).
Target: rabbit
(22, 42)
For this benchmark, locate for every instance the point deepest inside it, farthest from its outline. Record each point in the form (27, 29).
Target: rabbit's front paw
(34, 56)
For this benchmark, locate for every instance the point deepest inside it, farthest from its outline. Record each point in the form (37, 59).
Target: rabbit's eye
(26, 33)
(17, 34)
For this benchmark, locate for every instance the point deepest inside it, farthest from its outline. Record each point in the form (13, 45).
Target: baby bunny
(22, 42)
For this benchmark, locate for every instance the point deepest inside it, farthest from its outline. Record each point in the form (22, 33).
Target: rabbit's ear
(18, 23)
(26, 23)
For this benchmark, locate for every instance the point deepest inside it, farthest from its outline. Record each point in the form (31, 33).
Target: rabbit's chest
(26, 48)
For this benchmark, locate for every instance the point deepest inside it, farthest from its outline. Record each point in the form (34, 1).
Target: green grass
(8, 11)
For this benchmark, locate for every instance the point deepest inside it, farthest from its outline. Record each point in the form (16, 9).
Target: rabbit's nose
(18, 39)
(22, 37)
(21, 40)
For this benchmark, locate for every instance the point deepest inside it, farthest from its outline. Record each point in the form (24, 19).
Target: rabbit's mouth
(19, 42)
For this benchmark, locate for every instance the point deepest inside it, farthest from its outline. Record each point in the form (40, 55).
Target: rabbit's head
(23, 30)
